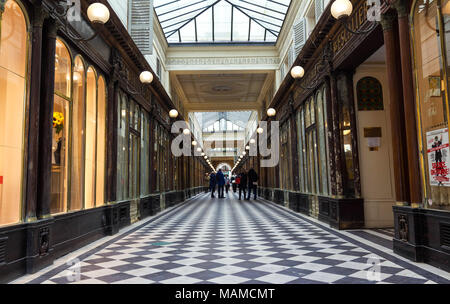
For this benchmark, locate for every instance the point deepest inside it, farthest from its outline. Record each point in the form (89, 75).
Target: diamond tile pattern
(230, 241)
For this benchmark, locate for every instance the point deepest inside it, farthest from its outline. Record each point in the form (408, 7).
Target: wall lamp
(342, 10)
(146, 77)
(297, 72)
(97, 13)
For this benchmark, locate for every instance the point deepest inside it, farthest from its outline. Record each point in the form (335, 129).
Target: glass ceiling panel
(219, 21)
(211, 119)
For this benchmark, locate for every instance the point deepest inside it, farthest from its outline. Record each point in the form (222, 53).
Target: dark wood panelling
(421, 234)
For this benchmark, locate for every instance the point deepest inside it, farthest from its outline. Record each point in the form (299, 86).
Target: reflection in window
(145, 154)
(78, 110)
(432, 93)
(62, 69)
(348, 148)
(13, 52)
(61, 122)
(321, 126)
(101, 148)
(122, 149)
(91, 122)
(311, 120)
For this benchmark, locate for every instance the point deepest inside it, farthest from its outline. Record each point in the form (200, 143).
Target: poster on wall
(438, 157)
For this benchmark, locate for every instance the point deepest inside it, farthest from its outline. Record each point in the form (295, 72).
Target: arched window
(369, 94)
(101, 148)
(13, 65)
(91, 117)
(61, 122)
(78, 132)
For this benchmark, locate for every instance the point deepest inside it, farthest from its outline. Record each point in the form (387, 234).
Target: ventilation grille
(445, 235)
(3, 250)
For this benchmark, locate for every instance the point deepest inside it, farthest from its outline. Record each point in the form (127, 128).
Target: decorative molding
(40, 14)
(356, 21)
(401, 7)
(44, 241)
(222, 60)
(387, 21)
(403, 227)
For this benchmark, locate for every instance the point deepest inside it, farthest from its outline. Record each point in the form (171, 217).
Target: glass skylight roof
(223, 121)
(221, 21)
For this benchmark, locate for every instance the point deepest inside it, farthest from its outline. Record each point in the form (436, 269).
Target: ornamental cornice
(222, 60)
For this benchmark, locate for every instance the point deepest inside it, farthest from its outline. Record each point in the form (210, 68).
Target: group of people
(244, 181)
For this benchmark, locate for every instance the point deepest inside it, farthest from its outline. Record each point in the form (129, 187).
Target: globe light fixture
(194, 143)
(146, 77)
(200, 150)
(271, 112)
(247, 147)
(260, 130)
(186, 132)
(252, 141)
(244, 153)
(203, 154)
(341, 9)
(98, 13)
(297, 72)
(173, 113)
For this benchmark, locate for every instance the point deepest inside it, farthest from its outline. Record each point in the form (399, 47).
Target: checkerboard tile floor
(229, 241)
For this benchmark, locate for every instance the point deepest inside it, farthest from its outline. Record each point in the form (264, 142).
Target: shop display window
(13, 67)
(431, 46)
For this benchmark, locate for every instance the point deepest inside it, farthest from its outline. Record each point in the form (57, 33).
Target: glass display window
(431, 45)
(101, 143)
(13, 71)
(78, 135)
(91, 140)
(60, 130)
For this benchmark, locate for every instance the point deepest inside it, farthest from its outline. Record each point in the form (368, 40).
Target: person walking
(227, 184)
(237, 180)
(220, 183)
(212, 183)
(252, 182)
(242, 184)
(233, 183)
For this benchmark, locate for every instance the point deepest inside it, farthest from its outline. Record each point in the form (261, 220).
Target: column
(354, 129)
(46, 120)
(111, 137)
(409, 107)
(394, 75)
(33, 122)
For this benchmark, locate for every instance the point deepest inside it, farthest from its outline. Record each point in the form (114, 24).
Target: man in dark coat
(220, 183)
(242, 183)
(252, 182)
(212, 183)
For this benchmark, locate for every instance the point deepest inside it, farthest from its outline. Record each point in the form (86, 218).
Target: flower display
(58, 121)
